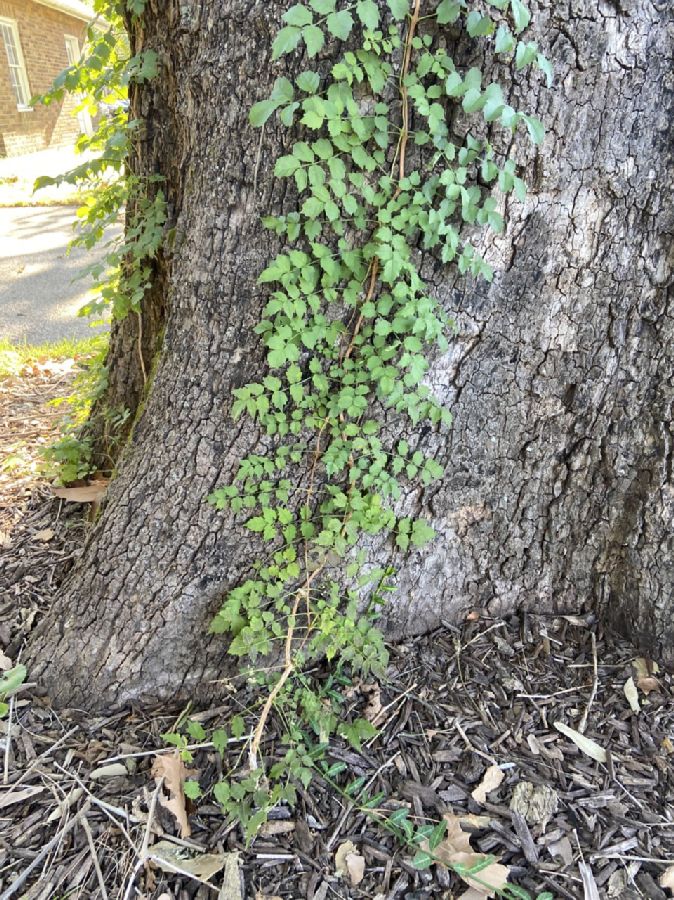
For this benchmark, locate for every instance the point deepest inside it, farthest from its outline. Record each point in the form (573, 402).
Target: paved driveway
(39, 293)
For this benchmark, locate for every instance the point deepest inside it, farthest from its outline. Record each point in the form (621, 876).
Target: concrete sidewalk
(39, 296)
(18, 174)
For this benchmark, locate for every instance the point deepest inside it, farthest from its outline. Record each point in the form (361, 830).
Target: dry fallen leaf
(277, 826)
(88, 493)
(667, 878)
(9, 797)
(45, 535)
(114, 770)
(373, 706)
(169, 857)
(169, 769)
(349, 863)
(587, 745)
(231, 880)
(456, 853)
(491, 780)
(591, 891)
(562, 848)
(645, 667)
(632, 695)
(5, 662)
(648, 683)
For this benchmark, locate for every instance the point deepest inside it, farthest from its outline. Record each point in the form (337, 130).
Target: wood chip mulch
(79, 815)
(39, 537)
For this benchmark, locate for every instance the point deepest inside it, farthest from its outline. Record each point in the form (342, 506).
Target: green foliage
(10, 682)
(100, 81)
(421, 841)
(70, 457)
(350, 328)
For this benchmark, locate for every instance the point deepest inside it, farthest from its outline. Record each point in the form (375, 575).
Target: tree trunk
(558, 490)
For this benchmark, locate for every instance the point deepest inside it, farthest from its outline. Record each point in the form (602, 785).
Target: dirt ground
(473, 726)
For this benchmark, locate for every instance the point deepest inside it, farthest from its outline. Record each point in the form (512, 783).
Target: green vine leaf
(314, 40)
(399, 8)
(286, 40)
(339, 24)
(521, 15)
(368, 13)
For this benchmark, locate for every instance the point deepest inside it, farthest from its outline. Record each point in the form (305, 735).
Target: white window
(74, 53)
(72, 49)
(17, 67)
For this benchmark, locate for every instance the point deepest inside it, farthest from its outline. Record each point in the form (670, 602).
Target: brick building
(38, 39)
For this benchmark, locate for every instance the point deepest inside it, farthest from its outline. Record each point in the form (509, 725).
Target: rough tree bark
(558, 493)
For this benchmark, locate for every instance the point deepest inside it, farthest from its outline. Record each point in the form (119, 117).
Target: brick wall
(41, 32)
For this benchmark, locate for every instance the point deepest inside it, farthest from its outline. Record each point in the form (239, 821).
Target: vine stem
(285, 674)
(404, 136)
(374, 271)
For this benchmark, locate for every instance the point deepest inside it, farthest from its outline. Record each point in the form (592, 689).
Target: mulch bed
(78, 802)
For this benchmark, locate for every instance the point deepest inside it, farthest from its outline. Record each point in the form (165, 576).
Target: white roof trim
(76, 8)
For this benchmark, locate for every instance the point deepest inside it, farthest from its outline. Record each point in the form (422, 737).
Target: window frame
(20, 67)
(72, 38)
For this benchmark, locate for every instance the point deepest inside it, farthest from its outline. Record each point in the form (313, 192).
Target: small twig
(150, 817)
(595, 681)
(8, 742)
(94, 855)
(471, 746)
(205, 746)
(143, 854)
(18, 883)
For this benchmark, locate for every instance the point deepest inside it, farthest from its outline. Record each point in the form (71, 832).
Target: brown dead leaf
(349, 863)
(5, 539)
(473, 616)
(169, 770)
(490, 781)
(88, 493)
(456, 853)
(648, 683)
(667, 878)
(5, 662)
(373, 706)
(45, 535)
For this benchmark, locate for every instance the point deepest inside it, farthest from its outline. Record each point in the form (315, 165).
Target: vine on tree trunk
(350, 327)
